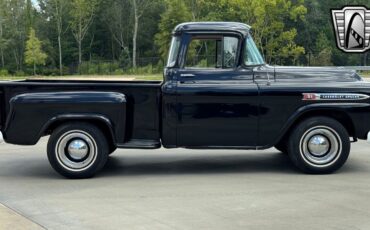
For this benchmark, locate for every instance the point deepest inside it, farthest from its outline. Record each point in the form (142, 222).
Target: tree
(195, 8)
(2, 39)
(323, 51)
(115, 17)
(270, 21)
(288, 49)
(17, 34)
(82, 15)
(139, 7)
(176, 13)
(123, 30)
(29, 15)
(34, 55)
(318, 20)
(59, 9)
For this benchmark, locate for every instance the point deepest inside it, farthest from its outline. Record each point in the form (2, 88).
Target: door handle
(184, 78)
(187, 75)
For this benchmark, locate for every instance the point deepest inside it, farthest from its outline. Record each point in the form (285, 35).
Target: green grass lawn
(7, 78)
(154, 77)
(149, 77)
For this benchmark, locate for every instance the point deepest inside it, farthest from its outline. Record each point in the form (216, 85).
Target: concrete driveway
(184, 189)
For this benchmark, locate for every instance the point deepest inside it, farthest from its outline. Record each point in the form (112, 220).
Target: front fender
(356, 112)
(31, 114)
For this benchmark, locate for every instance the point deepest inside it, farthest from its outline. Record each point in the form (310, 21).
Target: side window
(174, 51)
(230, 52)
(212, 52)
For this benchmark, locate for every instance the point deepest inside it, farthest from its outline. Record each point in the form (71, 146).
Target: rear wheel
(77, 150)
(319, 145)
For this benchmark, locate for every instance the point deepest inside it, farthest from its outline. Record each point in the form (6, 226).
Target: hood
(316, 74)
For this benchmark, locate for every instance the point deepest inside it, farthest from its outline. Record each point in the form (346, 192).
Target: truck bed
(143, 101)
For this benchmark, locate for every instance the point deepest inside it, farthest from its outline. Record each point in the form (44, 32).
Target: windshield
(251, 55)
(174, 50)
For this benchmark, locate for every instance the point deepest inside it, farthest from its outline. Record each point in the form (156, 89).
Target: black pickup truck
(217, 92)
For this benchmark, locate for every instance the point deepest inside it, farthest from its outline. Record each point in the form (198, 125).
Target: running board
(140, 144)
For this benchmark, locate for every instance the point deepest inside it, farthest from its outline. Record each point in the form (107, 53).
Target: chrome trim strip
(334, 96)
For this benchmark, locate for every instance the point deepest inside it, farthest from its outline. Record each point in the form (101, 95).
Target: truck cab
(202, 58)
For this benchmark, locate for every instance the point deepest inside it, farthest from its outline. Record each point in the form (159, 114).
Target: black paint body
(247, 107)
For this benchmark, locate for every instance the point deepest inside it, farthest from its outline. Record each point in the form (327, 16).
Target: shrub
(50, 72)
(107, 68)
(119, 72)
(94, 68)
(323, 58)
(19, 73)
(4, 73)
(148, 69)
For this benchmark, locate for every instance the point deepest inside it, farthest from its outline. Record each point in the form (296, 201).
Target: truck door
(217, 102)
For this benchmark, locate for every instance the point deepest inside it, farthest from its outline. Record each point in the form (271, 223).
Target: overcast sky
(35, 3)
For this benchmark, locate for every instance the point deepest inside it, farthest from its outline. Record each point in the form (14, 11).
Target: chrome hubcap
(76, 150)
(320, 146)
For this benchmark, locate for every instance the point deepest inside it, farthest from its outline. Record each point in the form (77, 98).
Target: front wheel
(77, 150)
(319, 145)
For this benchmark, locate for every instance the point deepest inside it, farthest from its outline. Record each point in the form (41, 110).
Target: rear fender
(32, 115)
(97, 119)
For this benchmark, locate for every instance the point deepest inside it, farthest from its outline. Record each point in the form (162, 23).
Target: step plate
(140, 144)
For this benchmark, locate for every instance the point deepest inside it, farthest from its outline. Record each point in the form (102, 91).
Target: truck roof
(212, 26)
